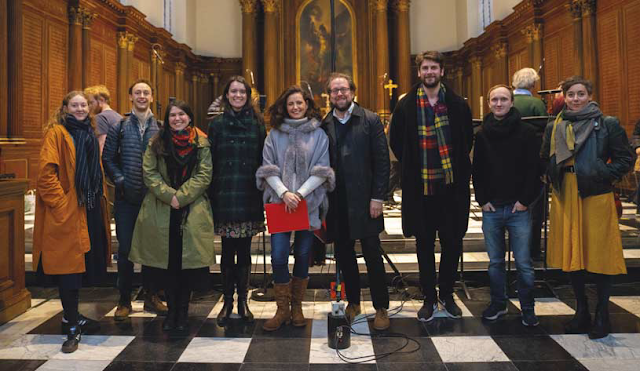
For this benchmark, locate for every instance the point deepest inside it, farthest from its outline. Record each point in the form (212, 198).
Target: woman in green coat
(174, 229)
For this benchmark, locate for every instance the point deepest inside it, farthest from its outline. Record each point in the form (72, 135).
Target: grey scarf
(582, 123)
(295, 153)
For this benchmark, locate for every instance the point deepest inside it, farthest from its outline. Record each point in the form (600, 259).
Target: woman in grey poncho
(295, 166)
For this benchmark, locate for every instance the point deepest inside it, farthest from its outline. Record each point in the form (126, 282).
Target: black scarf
(88, 180)
(494, 128)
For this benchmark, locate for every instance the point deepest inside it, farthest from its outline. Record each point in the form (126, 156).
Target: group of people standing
(176, 186)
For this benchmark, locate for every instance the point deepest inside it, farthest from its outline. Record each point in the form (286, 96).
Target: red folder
(279, 220)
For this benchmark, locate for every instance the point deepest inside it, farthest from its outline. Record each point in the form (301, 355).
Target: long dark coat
(365, 168)
(404, 144)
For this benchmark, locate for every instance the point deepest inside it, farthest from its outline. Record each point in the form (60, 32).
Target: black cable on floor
(375, 357)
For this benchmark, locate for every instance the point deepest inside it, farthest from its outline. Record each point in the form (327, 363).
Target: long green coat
(150, 245)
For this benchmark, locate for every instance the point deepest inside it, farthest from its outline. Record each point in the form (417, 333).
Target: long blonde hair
(59, 115)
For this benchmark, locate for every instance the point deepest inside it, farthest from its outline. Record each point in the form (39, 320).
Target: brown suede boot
(283, 314)
(298, 288)
(153, 304)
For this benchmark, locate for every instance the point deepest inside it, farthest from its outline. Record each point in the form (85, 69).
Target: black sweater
(505, 161)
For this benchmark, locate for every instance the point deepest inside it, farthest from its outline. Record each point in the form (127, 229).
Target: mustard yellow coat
(60, 234)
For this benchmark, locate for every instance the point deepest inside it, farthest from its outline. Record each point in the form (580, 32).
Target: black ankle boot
(169, 322)
(601, 324)
(74, 334)
(182, 317)
(581, 321)
(242, 280)
(227, 291)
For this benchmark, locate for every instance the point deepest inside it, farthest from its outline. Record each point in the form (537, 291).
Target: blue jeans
(518, 225)
(280, 255)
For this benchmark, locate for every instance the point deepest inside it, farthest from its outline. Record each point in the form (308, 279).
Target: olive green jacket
(150, 244)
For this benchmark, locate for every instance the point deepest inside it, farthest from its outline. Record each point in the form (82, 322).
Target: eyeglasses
(341, 90)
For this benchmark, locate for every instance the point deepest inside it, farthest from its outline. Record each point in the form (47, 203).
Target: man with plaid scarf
(431, 134)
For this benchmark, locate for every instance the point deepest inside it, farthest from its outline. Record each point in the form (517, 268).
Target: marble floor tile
(548, 307)
(361, 346)
(270, 350)
(20, 365)
(216, 350)
(532, 348)
(610, 364)
(614, 346)
(629, 303)
(32, 318)
(138, 311)
(92, 347)
(73, 365)
(477, 349)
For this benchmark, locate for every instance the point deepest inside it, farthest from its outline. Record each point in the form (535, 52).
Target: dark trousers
(69, 299)
(395, 177)
(232, 247)
(125, 216)
(439, 217)
(537, 210)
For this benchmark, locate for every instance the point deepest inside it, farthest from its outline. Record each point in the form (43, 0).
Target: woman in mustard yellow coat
(587, 152)
(71, 239)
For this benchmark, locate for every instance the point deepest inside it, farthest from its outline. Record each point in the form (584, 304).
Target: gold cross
(326, 101)
(390, 86)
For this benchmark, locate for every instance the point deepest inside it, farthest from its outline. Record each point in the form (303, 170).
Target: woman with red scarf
(174, 229)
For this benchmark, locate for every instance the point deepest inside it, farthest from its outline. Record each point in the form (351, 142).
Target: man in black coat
(431, 134)
(360, 157)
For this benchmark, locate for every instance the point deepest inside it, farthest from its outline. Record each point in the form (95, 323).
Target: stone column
(249, 37)
(270, 50)
(180, 67)
(403, 48)
(381, 56)
(75, 66)
(476, 86)
(123, 73)
(589, 47)
(502, 65)
(575, 7)
(87, 20)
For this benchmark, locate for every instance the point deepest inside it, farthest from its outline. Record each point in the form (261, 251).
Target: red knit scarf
(183, 141)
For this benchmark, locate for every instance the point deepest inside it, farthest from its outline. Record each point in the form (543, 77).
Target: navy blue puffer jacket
(122, 157)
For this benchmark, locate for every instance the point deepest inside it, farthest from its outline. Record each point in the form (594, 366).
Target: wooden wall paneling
(111, 72)
(610, 62)
(631, 56)
(33, 96)
(97, 63)
(552, 64)
(4, 76)
(57, 60)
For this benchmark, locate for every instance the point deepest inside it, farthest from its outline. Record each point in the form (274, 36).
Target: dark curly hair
(159, 143)
(278, 111)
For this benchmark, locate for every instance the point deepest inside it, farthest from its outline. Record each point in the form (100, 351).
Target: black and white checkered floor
(32, 341)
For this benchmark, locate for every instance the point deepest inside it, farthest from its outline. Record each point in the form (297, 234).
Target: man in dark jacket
(360, 159)
(506, 185)
(122, 160)
(431, 134)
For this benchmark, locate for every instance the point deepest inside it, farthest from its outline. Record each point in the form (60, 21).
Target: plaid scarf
(183, 143)
(88, 180)
(434, 138)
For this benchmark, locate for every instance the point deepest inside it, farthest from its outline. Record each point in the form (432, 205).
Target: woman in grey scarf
(295, 166)
(587, 152)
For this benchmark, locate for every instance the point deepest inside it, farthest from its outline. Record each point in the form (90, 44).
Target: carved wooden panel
(57, 52)
(552, 70)
(517, 60)
(566, 55)
(631, 15)
(32, 58)
(6, 230)
(97, 63)
(111, 72)
(609, 62)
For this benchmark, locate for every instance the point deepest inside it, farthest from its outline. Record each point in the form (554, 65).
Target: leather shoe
(381, 322)
(352, 311)
(152, 303)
